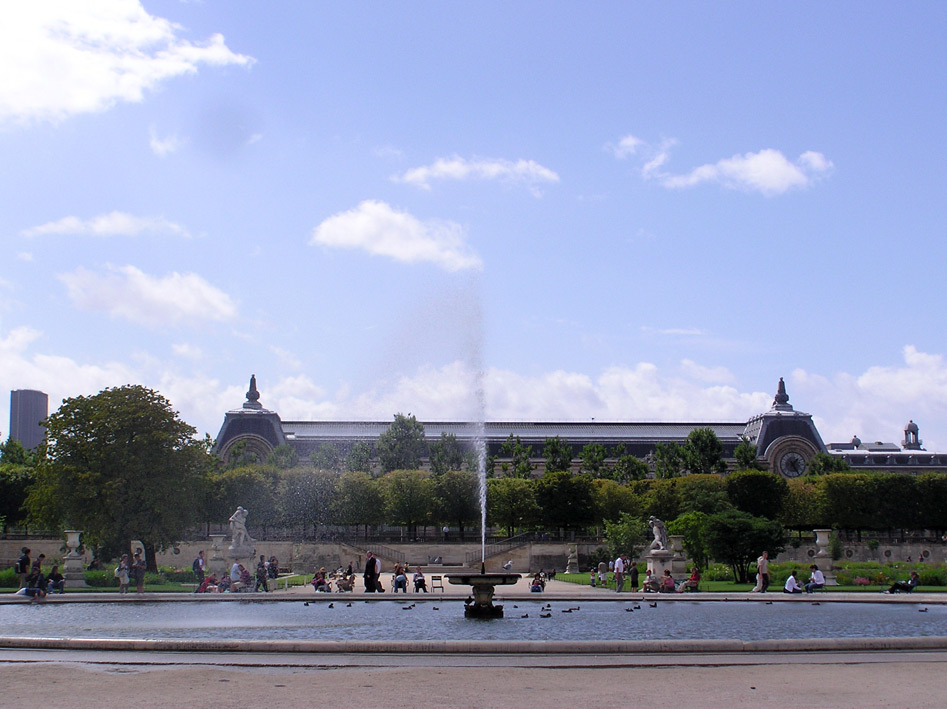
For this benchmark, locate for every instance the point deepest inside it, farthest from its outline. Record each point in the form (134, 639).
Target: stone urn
(73, 563)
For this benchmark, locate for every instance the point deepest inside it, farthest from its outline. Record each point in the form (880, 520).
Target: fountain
(483, 585)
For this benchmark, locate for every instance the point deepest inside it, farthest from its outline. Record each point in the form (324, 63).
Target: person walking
(762, 568)
(632, 575)
(619, 574)
(199, 567)
(370, 575)
(23, 566)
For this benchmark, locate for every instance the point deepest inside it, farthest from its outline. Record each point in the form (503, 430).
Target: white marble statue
(238, 529)
(660, 542)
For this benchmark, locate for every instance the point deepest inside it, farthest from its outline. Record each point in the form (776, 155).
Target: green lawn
(730, 587)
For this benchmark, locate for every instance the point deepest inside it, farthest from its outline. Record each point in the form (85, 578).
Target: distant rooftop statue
(253, 396)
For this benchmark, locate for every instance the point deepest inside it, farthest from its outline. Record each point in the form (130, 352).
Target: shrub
(8, 578)
(718, 572)
(932, 577)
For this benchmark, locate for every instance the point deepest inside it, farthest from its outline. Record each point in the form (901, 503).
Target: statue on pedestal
(660, 542)
(238, 529)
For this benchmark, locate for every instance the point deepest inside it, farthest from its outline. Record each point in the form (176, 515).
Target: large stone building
(786, 439)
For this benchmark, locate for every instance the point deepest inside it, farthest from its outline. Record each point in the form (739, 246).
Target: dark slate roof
(592, 430)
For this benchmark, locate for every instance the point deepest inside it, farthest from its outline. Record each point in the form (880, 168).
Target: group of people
(400, 576)
(815, 582)
(32, 581)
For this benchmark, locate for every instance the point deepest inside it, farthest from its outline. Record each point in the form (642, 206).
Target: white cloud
(24, 255)
(625, 147)
(876, 404)
(163, 146)
(83, 57)
(767, 171)
(128, 293)
(375, 227)
(719, 375)
(111, 224)
(187, 351)
(526, 172)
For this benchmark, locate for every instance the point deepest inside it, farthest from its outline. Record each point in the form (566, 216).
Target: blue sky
(623, 211)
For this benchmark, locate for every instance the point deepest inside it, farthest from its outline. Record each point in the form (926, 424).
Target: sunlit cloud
(111, 224)
(376, 228)
(127, 293)
(767, 171)
(83, 57)
(526, 172)
(163, 146)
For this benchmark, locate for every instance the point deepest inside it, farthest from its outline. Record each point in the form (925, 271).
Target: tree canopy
(402, 446)
(121, 465)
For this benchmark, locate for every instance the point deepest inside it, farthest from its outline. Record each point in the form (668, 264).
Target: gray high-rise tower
(27, 408)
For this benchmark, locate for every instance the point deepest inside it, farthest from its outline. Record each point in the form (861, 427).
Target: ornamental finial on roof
(253, 396)
(781, 401)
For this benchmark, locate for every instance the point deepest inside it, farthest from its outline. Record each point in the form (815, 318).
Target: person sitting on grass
(816, 579)
(55, 582)
(792, 584)
(905, 586)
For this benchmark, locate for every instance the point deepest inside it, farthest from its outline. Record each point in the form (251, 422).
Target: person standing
(619, 574)
(23, 566)
(138, 571)
(261, 575)
(199, 567)
(370, 575)
(762, 568)
(633, 576)
(122, 574)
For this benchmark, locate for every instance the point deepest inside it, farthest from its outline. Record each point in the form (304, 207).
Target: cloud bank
(83, 57)
(111, 224)
(127, 293)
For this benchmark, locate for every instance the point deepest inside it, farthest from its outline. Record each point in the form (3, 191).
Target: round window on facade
(887, 552)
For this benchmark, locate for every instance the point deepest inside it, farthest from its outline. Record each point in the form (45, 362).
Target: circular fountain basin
(397, 620)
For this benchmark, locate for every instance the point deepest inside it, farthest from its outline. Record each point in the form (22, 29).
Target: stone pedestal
(217, 564)
(658, 560)
(823, 559)
(73, 563)
(572, 565)
(678, 565)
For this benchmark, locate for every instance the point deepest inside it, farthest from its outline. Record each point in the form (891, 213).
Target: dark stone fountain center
(483, 585)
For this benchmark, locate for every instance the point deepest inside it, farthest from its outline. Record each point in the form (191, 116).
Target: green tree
(692, 526)
(15, 482)
(307, 497)
(626, 535)
(121, 465)
(511, 503)
(251, 486)
(757, 492)
(458, 498)
(520, 465)
(703, 452)
(447, 454)
(736, 538)
(823, 464)
(409, 499)
(402, 446)
(593, 457)
(558, 454)
(849, 500)
(12, 452)
(669, 460)
(745, 454)
(702, 493)
(359, 458)
(358, 500)
(628, 468)
(803, 504)
(662, 499)
(611, 499)
(565, 499)
(284, 457)
(327, 457)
